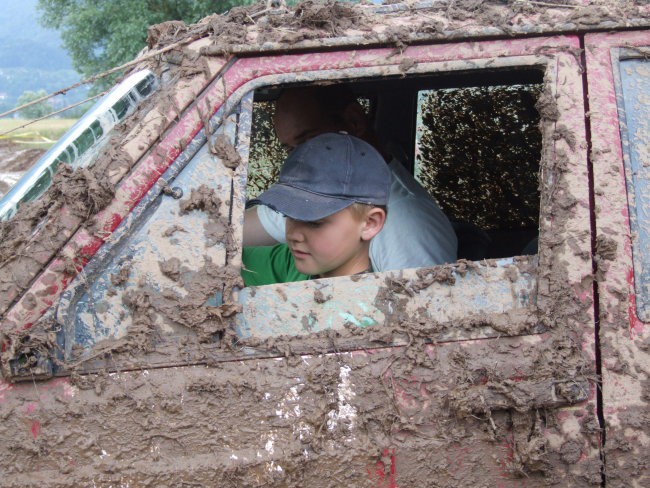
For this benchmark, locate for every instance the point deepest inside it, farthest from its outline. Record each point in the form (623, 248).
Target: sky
(19, 26)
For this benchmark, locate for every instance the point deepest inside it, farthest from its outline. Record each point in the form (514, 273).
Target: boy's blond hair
(360, 210)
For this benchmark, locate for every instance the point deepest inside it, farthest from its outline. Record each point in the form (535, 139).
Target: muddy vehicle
(132, 355)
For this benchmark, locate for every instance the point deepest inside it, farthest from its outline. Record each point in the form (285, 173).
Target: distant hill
(31, 57)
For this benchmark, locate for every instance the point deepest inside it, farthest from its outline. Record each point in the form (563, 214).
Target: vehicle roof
(330, 24)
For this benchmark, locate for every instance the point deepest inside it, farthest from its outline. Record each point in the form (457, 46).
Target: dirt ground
(14, 161)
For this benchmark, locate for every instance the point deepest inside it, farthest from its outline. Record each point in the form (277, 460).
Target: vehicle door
(474, 373)
(619, 83)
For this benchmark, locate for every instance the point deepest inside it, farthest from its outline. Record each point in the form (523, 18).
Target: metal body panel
(477, 293)
(78, 245)
(623, 335)
(368, 418)
(487, 412)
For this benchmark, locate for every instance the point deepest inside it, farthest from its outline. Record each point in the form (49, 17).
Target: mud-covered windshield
(81, 142)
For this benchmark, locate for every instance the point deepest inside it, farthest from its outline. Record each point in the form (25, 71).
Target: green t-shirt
(265, 265)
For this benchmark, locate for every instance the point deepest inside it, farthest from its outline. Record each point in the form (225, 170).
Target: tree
(37, 110)
(266, 154)
(102, 34)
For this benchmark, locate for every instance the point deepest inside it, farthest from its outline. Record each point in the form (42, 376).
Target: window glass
(478, 151)
(635, 135)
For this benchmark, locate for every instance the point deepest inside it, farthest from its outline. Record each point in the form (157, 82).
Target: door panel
(617, 71)
(153, 275)
(452, 303)
(462, 391)
(394, 403)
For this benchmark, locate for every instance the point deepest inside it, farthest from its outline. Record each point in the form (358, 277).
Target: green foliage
(479, 153)
(101, 34)
(15, 81)
(37, 110)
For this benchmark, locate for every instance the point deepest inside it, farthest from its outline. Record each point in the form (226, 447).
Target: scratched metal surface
(94, 313)
(623, 335)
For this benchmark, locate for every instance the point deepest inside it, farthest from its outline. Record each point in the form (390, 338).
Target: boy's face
(334, 246)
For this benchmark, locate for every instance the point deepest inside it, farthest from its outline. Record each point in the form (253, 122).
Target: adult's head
(305, 112)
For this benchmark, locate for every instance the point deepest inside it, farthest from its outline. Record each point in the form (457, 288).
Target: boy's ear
(373, 223)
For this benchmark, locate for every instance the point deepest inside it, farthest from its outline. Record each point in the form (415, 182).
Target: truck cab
(132, 354)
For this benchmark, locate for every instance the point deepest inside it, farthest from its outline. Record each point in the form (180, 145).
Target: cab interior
(471, 139)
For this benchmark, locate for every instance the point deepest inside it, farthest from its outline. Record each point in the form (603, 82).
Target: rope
(33, 121)
(102, 75)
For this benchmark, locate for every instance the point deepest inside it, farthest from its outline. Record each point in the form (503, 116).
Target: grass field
(41, 134)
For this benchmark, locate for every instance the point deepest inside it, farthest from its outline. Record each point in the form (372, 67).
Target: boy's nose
(293, 231)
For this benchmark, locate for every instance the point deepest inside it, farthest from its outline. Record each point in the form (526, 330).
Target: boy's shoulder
(266, 265)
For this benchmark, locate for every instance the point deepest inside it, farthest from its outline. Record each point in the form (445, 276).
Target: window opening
(477, 153)
(266, 152)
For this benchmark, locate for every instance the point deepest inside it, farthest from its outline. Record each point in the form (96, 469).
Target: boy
(304, 112)
(333, 190)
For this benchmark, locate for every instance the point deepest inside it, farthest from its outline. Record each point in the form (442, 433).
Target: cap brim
(300, 204)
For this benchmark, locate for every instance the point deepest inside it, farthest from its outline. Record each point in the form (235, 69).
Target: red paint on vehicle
(36, 428)
(31, 407)
(385, 480)
(636, 325)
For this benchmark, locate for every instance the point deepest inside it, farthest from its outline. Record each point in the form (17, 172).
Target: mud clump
(122, 276)
(201, 198)
(31, 237)
(217, 228)
(171, 268)
(224, 150)
(27, 354)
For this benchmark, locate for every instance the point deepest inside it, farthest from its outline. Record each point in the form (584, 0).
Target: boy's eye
(316, 223)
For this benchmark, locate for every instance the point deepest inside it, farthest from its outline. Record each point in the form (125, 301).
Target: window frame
(265, 295)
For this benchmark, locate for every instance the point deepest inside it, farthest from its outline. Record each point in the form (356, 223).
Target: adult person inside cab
(333, 191)
(416, 233)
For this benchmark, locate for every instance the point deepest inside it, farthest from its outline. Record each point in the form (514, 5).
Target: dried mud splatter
(325, 419)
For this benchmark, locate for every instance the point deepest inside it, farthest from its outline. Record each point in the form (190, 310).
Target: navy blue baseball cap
(327, 174)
